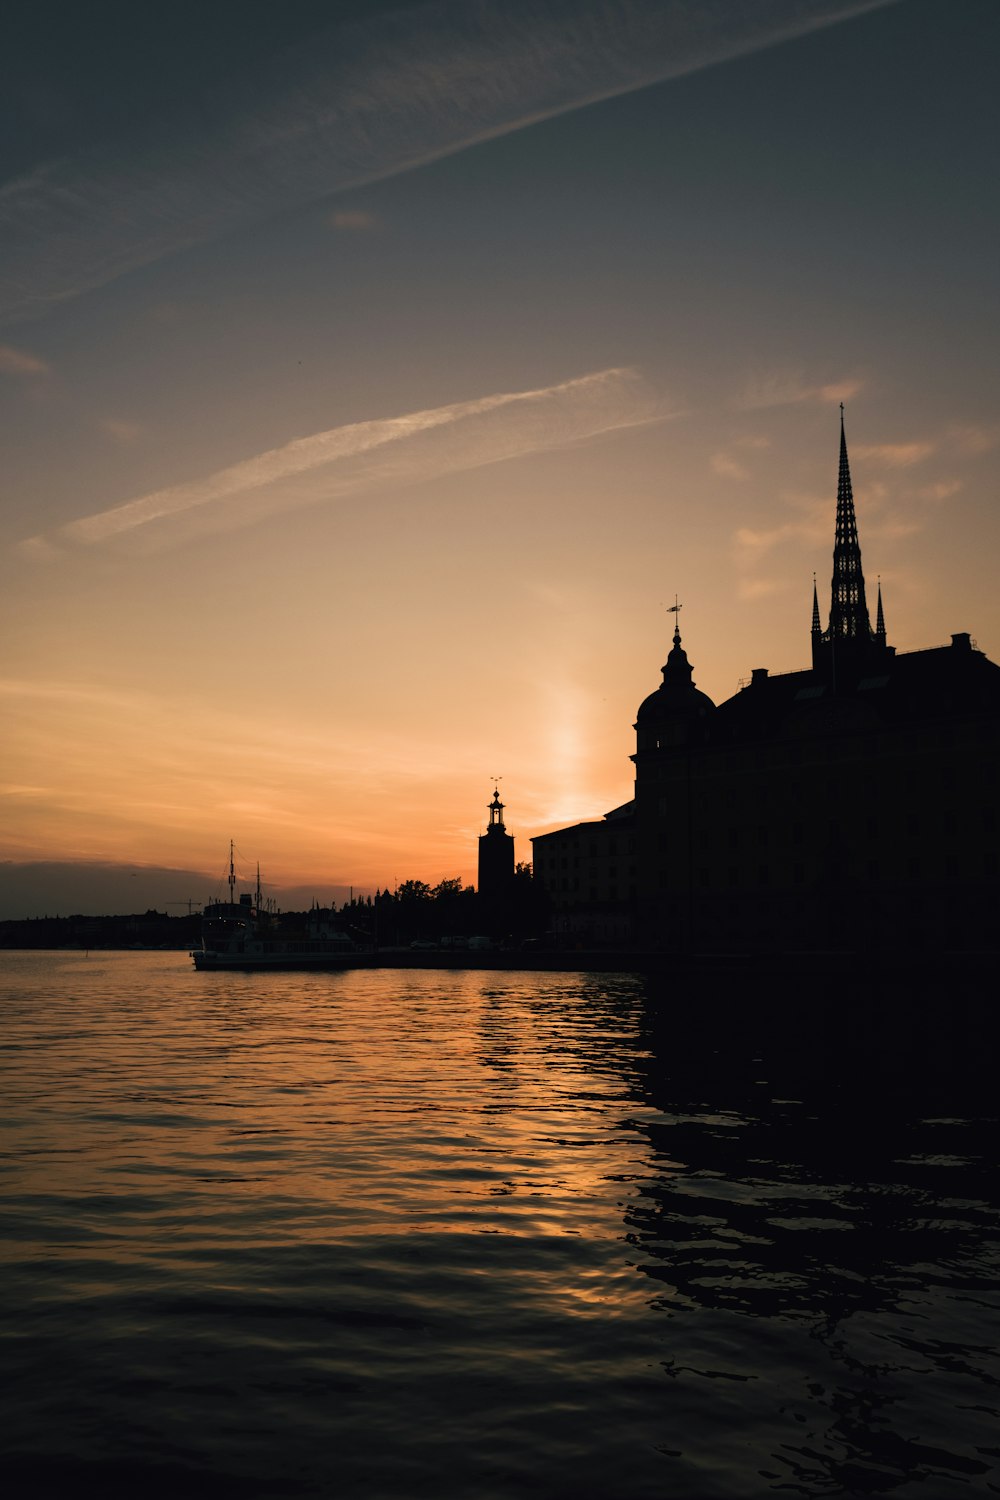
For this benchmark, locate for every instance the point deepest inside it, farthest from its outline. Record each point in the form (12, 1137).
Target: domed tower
(677, 713)
(496, 856)
(671, 727)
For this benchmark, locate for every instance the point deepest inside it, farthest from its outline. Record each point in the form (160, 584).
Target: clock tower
(496, 856)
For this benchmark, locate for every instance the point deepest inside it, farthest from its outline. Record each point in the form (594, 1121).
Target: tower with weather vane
(496, 858)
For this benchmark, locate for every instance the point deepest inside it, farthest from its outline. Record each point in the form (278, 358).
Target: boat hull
(208, 960)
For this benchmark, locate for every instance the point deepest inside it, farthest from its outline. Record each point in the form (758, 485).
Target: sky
(373, 377)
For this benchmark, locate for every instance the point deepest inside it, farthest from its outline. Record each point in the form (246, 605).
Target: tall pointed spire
(880, 617)
(817, 628)
(848, 609)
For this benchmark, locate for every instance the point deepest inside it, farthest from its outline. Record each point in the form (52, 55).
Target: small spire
(677, 669)
(496, 808)
(817, 628)
(880, 617)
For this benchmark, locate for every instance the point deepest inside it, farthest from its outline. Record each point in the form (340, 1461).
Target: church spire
(817, 628)
(848, 609)
(880, 618)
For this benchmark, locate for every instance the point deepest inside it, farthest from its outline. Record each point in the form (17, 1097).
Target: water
(419, 1233)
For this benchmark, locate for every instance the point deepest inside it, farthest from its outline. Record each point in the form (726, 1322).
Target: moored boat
(243, 934)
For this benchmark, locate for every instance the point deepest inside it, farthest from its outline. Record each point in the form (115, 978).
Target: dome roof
(677, 696)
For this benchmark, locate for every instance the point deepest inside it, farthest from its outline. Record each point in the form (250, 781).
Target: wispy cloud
(892, 528)
(360, 456)
(20, 362)
(894, 455)
(354, 220)
(120, 430)
(767, 388)
(355, 103)
(943, 489)
(888, 516)
(836, 390)
(974, 438)
(754, 542)
(727, 467)
(752, 590)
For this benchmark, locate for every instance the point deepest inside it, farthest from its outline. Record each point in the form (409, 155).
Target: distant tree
(456, 908)
(413, 890)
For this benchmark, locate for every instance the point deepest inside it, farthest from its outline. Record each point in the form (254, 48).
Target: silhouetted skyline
(344, 470)
(848, 806)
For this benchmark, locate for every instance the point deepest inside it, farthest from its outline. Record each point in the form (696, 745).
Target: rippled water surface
(412, 1233)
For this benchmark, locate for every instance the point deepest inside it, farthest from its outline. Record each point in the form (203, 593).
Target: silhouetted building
(589, 875)
(496, 857)
(849, 806)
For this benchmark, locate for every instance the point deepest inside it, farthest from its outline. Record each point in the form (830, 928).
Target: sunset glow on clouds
(365, 406)
(20, 362)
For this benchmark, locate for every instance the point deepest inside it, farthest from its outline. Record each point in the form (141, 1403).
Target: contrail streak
(356, 103)
(363, 455)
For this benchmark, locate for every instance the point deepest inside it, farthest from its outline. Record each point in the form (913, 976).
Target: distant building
(590, 875)
(496, 857)
(852, 805)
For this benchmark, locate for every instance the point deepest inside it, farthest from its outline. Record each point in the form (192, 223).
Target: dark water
(404, 1234)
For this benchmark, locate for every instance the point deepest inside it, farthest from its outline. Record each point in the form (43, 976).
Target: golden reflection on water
(353, 1100)
(525, 1231)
